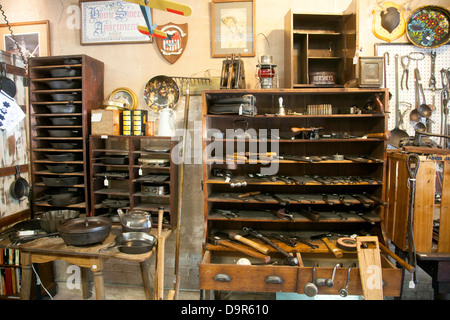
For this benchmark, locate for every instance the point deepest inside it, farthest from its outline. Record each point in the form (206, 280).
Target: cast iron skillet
(7, 85)
(20, 188)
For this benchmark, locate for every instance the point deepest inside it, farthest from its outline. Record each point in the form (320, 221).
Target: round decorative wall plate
(124, 95)
(428, 27)
(161, 92)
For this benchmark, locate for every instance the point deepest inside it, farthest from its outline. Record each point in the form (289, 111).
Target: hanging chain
(14, 38)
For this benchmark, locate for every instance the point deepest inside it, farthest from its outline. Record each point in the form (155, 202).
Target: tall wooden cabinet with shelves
(329, 180)
(134, 172)
(320, 43)
(63, 90)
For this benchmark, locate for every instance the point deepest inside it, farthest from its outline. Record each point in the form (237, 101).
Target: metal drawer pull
(274, 280)
(222, 277)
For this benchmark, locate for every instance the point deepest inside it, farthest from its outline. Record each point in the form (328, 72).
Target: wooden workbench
(53, 248)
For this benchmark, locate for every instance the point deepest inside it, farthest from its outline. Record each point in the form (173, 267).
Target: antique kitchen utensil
(397, 134)
(135, 220)
(132, 243)
(369, 261)
(20, 188)
(6, 84)
(428, 27)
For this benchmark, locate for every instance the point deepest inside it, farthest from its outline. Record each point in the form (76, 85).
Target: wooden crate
(397, 196)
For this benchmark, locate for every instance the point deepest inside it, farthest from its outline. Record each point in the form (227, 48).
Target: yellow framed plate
(124, 95)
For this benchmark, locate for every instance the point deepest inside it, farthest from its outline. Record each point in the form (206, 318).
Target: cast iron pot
(65, 201)
(66, 145)
(20, 188)
(63, 133)
(116, 159)
(51, 220)
(77, 232)
(63, 168)
(133, 243)
(66, 97)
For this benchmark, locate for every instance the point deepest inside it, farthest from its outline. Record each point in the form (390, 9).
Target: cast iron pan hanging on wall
(20, 188)
(6, 84)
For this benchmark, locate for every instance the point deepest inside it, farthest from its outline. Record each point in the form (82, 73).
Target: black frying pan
(20, 188)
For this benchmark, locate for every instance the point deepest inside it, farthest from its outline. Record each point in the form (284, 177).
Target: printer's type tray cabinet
(326, 177)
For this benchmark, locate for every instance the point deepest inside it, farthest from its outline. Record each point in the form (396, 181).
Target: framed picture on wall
(233, 28)
(32, 37)
(111, 22)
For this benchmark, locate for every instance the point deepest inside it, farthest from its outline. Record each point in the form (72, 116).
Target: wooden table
(53, 248)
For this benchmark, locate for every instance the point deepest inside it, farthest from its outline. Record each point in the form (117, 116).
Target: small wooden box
(106, 122)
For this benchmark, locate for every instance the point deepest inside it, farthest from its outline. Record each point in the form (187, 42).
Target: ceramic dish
(428, 27)
(161, 92)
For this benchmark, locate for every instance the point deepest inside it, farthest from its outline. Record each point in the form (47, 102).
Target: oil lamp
(266, 73)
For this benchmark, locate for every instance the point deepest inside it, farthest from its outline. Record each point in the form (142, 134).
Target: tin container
(322, 78)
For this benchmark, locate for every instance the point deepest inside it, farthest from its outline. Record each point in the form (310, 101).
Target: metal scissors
(405, 74)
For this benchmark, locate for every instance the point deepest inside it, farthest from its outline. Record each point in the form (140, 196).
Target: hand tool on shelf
(284, 213)
(376, 199)
(378, 135)
(327, 201)
(229, 214)
(362, 201)
(311, 133)
(286, 240)
(261, 248)
(282, 202)
(236, 183)
(222, 239)
(248, 194)
(291, 260)
(295, 158)
(311, 214)
(332, 247)
(412, 165)
(339, 214)
(342, 201)
(362, 216)
(295, 180)
(304, 241)
(225, 174)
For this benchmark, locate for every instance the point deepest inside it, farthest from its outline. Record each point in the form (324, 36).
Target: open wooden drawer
(219, 271)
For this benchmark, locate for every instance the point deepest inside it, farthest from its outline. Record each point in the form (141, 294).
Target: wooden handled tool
(331, 246)
(217, 240)
(251, 243)
(296, 129)
(380, 135)
(400, 261)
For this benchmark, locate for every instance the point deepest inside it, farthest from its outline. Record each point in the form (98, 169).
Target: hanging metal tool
(412, 164)
(405, 74)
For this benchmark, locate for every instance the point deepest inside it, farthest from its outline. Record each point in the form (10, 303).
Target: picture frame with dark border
(233, 28)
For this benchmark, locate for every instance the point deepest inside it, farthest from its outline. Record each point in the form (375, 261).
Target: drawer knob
(274, 280)
(222, 277)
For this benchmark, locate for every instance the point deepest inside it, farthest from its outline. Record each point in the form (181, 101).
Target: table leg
(25, 290)
(99, 283)
(145, 267)
(85, 283)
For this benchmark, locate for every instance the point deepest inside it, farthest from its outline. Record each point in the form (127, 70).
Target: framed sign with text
(111, 22)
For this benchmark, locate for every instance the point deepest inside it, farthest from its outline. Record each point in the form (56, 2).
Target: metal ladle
(414, 114)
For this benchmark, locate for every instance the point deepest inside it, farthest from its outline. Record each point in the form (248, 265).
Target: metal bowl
(51, 220)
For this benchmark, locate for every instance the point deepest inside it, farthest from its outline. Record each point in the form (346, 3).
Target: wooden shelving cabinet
(62, 143)
(345, 157)
(320, 43)
(122, 185)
